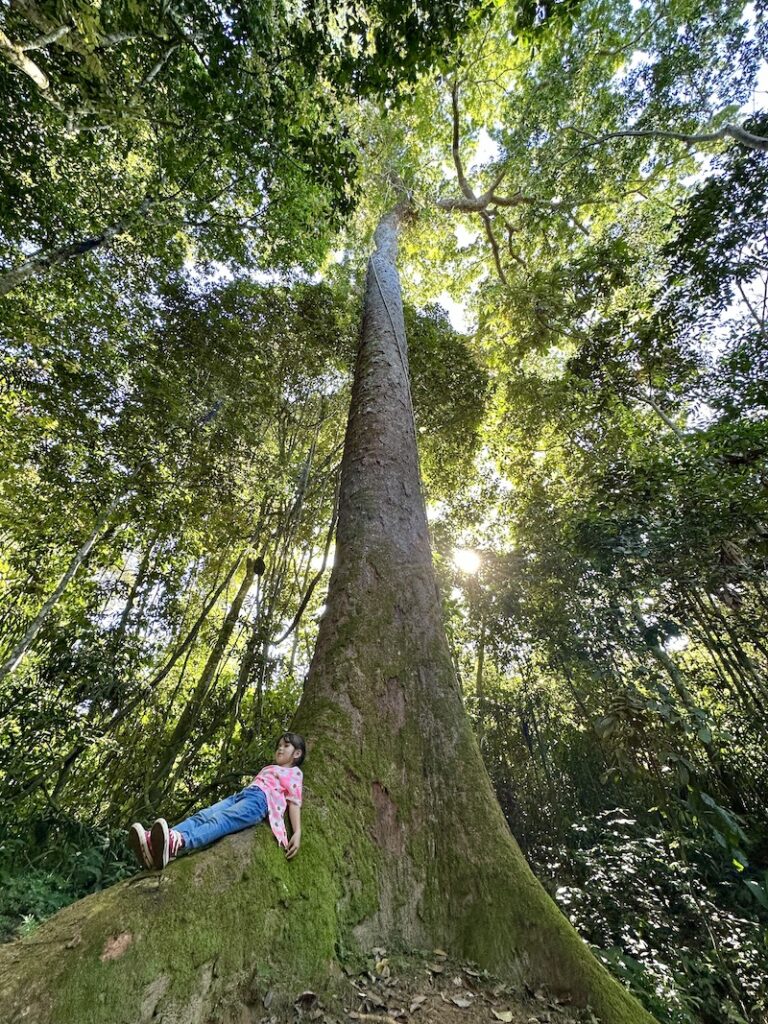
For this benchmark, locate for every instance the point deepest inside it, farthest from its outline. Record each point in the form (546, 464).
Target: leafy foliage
(174, 391)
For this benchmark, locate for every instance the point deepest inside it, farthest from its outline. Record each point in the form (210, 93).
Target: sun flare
(466, 560)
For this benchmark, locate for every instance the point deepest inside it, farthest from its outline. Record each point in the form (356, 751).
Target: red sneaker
(165, 843)
(140, 843)
(159, 843)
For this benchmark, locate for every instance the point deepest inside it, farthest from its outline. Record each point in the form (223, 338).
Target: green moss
(237, 912)
(479, 898)
(213, 925)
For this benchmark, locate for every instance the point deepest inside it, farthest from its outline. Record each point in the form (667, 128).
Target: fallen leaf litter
(428, 988)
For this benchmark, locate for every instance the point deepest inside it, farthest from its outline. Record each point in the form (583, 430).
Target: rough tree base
(205, 942)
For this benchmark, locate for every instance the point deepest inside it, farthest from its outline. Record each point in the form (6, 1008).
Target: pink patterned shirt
(279, 785)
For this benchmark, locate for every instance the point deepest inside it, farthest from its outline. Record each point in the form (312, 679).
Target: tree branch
(115, 38)
(494, 246)
(463, 183)
(732, 131)
(188, 37)
(15, 55)
(155, 71)
(489, 195)
(43, 260)
(319, 575)
(21, 648)
(648, 400)
(510, 247)
(518, 199)
(45, 40)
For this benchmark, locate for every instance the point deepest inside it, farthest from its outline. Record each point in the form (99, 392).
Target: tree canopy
(188, 192)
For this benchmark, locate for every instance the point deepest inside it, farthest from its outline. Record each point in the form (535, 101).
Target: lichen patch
(152, 995)
(393, 703)
(115, 946)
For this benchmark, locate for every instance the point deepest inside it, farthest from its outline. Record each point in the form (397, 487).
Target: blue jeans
(233, 814)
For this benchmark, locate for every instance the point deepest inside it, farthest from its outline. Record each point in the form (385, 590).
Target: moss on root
(383, 860)
(448, 872)
(211, 933)
(208, 937)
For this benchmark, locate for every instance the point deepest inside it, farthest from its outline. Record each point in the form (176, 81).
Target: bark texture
(382, 702)
(404, 843)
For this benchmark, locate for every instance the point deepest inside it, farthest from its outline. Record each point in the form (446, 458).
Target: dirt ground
(427, 988)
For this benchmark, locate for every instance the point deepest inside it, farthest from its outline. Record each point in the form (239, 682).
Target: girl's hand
(293, 845)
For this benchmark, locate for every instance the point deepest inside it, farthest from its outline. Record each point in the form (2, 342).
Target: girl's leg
(192, 826)
(232, 814)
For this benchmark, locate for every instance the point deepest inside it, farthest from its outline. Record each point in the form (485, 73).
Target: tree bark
(480, 685)
(404, 843)
(434, 860)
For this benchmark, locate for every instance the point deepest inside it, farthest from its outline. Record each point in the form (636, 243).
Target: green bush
(46, 863)
(685, 933)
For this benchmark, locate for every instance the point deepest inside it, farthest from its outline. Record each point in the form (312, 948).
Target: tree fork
(404, 842)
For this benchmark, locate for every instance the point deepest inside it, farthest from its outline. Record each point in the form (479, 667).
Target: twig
(377, 1018)
(319, 575)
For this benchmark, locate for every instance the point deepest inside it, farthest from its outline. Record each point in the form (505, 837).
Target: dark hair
(296, 741)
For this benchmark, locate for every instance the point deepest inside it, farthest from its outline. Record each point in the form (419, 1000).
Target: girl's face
(285, 753)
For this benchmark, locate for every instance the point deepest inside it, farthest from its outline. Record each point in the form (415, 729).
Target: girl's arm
(294, 816)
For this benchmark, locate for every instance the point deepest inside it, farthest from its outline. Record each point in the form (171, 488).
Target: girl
(265, 797)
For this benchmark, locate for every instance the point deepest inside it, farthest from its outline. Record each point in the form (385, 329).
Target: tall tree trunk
(433, 861)
(403, 842)
(191, 636)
